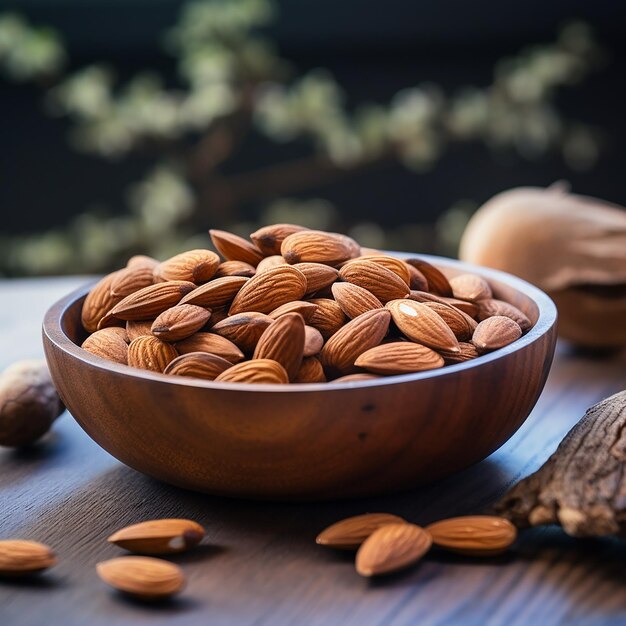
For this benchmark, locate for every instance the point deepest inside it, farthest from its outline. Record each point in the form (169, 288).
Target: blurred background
(132, 126)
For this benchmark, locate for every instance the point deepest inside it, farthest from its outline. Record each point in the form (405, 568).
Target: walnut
(29, 403)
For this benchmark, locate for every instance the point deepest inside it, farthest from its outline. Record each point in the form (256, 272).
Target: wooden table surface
(259, 563)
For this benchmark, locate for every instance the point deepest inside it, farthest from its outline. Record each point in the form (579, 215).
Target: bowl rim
(53, 331)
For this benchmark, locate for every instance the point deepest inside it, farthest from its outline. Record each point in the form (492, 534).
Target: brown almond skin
(161, 536)
(195, 266)
(392, 547)
(108, 343)
(314, 246)
(311, 371)
(467, 352)
(257, 371)
(378, 280)
(400, 357)
(235, 248)
(469, 308)
(397, 266)
(270, 238)
(461, 324)
(437, 282)
(352, 378)
(350, 533)
(267, 291)
(304, 308)
(491, 307)
(283, 342)
(235, 268)
(151, 301)
(269, 262)
(417, 280)
(354, 300)
(142, 260)
(20, 557)
(328, 318)
(313, 341)
(198, 365)
(99, 302)
(318, 276)
(243, 329)
(150, 353)
(131, 279)
(181, 321)
(495, 332)
(470, 287)
(212, 344)
(138, 328)
(217, 293)
(362, 333)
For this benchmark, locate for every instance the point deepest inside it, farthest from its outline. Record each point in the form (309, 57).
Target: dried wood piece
(582, 486)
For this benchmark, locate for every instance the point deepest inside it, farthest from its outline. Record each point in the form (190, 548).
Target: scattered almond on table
(258, 310)
(19, 557)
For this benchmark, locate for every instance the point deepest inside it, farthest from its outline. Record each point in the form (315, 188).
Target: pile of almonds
(293, 305)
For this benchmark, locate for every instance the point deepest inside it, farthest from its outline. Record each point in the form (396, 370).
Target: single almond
(212, 344)
(141, 260)
(417, 280)
(313, 341)
(19, 557)
(217, 293)
(328, 318)
(108, 343)
(491, 307)
(150, 353)
(243, 329)
(353, 378)
(354, 300)
(475, 535)
(349, 342)
(270, 238)
(304, 308)
(318, 276)
(131, 279)
(350, 533)
(315, 246)
(235, 268)
(138, 328)
(181, 321)
(495, 332)
(151, 301)
(269, 262)
(461, 324)
(283, 342)
(397, 266)
(422, 325)
(268, 290)
(99, 302)
(142, 576)
(311, 371)
(470, 287)
(437, 282)
(235, 248)
(392, 547)
(257, 371)
(467, 352)
(198, 365)
(195, 266)
(469, 308)
(378, 280)
(159, 536)
(399, 357)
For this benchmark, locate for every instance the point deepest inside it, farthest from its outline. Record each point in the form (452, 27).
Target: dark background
(374, 48)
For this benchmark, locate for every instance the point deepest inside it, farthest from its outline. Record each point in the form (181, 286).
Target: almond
(179, 322)
(313, 341)
(217, 293)
(437, 282)
(400, 357)
(269, 262)
(422, 325)
(397, 266)
(131, 279)
(354, 300)
(108, 343)
(267, 291)
(357, 336)
(270, 238)
(99, 302)
(255, 371)
(235, 268)
(217, 316)
(470, 287)
(350, 533)
(311, 371)
(198, 365)
(378, 280)
(315, 246)
(141, 260)
(417, 280)
(243, 329)
(283, 342)
(22, 557)
(235, 248)
(351, 378)
(142, 576)
(159, 536)
(467, 352)
(328, 318)
(318, 276)
(212, 344)
(150, 353)
(392, 547)
(475, 535)
(138, 328)
(150, 301)
(461, 324)
(495, 332)
(195, 266)
(306, 309)
(469, 308)
(491, 307)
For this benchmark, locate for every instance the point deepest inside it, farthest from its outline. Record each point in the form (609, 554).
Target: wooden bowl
(306, 441)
